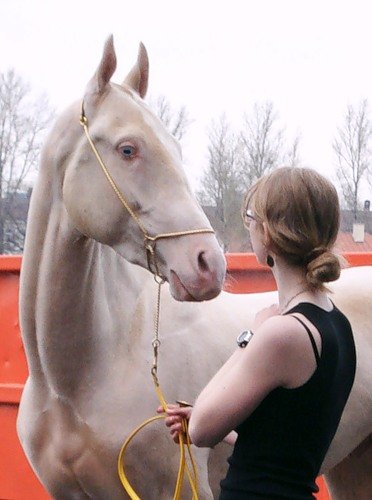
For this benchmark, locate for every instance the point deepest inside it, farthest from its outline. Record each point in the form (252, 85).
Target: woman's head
(300, 211)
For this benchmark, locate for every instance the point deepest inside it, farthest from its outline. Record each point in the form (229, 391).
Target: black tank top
(281, 445)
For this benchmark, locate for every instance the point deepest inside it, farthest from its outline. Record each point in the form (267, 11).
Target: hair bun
(315, 253)
(323, 266)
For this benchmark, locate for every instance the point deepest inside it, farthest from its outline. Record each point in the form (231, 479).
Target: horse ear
(105, 70)
(138, 77)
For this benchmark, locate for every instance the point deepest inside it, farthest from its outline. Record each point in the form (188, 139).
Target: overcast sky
(310, 58)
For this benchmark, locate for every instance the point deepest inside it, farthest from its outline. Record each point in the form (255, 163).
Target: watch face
(241, 337)
(244, 338)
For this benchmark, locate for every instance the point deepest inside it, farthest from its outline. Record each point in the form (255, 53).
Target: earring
(270, 261)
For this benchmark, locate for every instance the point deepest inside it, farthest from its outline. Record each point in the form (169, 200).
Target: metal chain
(156, 342)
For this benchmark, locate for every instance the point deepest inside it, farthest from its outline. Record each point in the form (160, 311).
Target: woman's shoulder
(280, 338)
(287, 344)
(280, 330)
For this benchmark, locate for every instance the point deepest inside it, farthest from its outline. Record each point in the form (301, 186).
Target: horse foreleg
(351, 479)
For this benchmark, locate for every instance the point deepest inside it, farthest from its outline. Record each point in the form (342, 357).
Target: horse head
(144, 163)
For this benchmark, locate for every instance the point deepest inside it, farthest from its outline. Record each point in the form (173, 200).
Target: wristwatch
(243, 339)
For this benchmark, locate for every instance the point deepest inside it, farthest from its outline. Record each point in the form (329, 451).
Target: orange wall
(17, 480)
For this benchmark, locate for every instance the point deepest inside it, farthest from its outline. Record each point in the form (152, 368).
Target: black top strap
(313, 343)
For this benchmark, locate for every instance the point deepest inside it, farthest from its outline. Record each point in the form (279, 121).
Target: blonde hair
(301, 211)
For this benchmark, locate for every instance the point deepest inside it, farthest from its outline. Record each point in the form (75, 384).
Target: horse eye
(128, 151)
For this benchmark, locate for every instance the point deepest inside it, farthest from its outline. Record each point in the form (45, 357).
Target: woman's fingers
(173, 419)
(160, 409)
(177, 426)
(183, 412)
(176, 411)
(172, 409)
(169, 421)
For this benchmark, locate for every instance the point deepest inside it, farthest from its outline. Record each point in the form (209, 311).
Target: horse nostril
(203, 265)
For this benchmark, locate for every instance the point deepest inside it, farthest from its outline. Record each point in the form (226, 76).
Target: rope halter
(149, 241)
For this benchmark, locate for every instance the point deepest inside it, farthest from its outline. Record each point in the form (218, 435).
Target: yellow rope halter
(149, 244)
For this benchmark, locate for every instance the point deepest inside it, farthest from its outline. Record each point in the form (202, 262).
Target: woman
(285, 387)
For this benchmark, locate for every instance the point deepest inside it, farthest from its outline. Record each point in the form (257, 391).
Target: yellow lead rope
(183, 465)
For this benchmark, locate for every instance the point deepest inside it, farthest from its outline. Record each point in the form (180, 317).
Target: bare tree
(292, 156)
(22, 121)
(236, 161)
(221, 186)
(176, 120)
(352, 150)
(261, 142)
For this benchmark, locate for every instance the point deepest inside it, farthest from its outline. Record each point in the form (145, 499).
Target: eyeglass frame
(249, 217)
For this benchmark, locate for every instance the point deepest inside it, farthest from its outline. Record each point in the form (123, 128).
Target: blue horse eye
(127, 151)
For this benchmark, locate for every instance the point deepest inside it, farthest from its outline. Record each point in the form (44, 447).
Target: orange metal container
(246, 275)
(17, 480)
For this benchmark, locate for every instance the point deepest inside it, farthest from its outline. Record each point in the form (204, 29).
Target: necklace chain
(293, 297)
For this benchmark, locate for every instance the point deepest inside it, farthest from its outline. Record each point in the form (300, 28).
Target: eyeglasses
(249, 217)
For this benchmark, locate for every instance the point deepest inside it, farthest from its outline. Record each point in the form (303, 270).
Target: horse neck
(77, 296)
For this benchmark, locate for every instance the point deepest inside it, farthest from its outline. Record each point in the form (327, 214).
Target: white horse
(87, 303)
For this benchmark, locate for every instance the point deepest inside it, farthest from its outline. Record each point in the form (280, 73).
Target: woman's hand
(265, 314)
(173, 420)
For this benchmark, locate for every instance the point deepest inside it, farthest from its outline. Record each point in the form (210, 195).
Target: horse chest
(76, 445)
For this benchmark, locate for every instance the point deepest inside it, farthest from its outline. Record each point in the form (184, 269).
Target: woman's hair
(301, 211)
